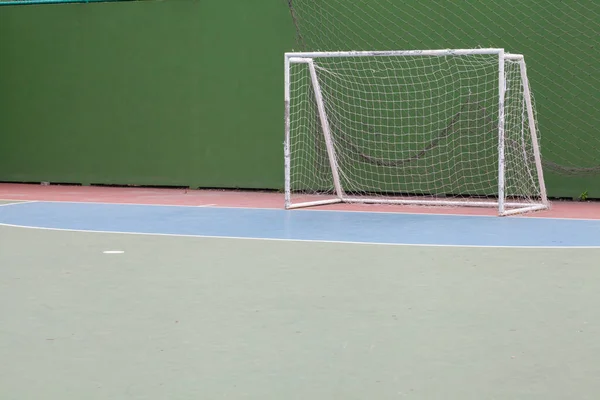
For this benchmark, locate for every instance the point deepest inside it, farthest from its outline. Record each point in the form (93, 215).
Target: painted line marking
(107, 203)
(303, 240)
(113, 252)
(16, 202)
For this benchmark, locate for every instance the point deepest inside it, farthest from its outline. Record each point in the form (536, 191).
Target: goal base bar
(313, 203)
(524, 209)
(513, 207)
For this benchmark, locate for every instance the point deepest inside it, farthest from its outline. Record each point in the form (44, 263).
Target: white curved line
(298, 240)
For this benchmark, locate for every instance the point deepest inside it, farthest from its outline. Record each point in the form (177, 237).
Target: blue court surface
(306, 225)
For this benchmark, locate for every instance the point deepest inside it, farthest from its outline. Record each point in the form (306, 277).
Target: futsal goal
(421, 127)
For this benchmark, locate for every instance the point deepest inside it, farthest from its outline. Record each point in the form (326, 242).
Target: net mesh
(559, 38)
(406, 127)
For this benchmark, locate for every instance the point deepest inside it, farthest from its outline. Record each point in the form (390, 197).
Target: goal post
(423, 127)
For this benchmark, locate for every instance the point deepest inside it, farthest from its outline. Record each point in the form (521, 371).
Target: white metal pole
(524, 209)
(396, 53)
(501, 93)
(533, 129)
(326, 130)
(286, 143)
(514, 57)
(314, 203)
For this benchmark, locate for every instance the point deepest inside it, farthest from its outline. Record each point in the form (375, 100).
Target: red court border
(249, 199)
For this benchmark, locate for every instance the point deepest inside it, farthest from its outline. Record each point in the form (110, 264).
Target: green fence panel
(186, 93)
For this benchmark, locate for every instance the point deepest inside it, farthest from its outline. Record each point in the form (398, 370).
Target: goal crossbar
(393, 53)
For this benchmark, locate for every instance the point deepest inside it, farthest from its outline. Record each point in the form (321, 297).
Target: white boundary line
(109, 203)
(300, 210)
(297, 240)
(16, 202)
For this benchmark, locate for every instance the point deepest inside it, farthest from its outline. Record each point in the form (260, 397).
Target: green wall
(560, 41)
(190, 92)
(152, 93)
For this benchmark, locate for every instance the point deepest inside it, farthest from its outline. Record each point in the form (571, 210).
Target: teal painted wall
(189, 92)
(151, 93)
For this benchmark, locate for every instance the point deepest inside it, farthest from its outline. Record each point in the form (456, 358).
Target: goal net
(430, 127)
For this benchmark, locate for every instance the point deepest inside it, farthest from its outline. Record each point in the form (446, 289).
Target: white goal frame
(504, 207)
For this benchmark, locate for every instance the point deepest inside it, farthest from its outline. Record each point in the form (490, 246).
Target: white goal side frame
(504, 208)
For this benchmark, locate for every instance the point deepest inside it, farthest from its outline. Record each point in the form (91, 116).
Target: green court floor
(195, 318)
